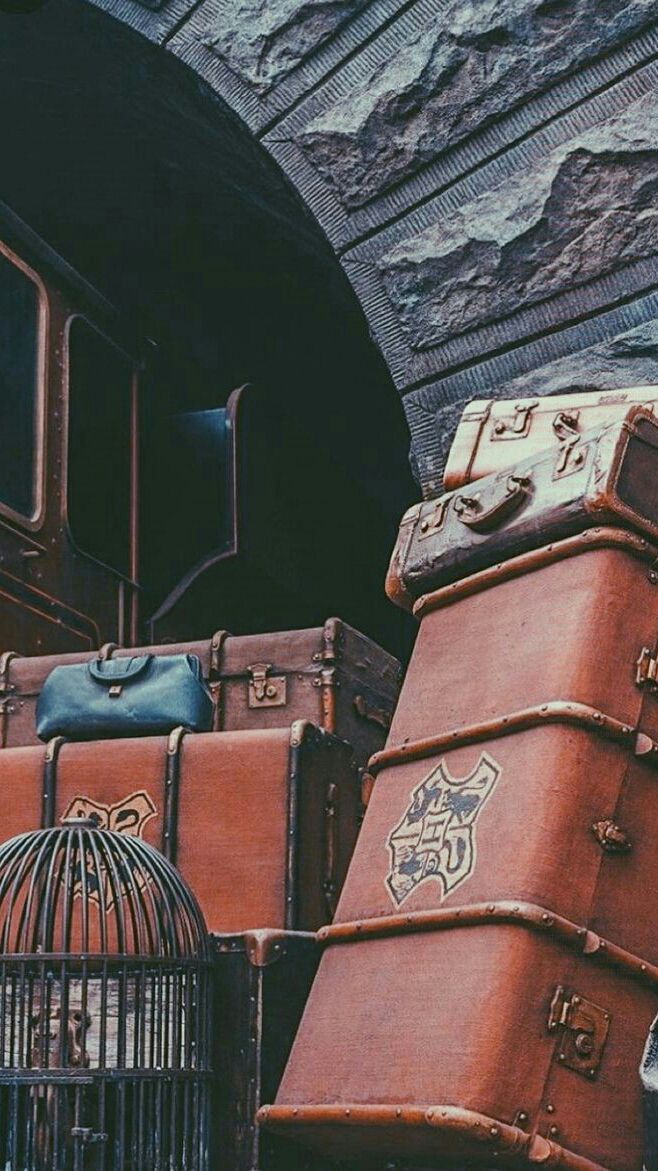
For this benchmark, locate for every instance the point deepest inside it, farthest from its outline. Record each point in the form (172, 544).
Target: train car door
(69, 410)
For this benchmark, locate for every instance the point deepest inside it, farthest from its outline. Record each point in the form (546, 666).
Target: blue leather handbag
(147, 695)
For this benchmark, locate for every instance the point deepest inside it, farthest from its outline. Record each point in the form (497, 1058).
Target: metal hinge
(646, 674)
(266, 690)
(584, 1028)
(517, 425)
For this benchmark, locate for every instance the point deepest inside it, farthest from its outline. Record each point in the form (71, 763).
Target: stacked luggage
(490, 976)
(240, 758)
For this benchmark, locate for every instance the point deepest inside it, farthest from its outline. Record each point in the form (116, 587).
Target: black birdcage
(104, 1007)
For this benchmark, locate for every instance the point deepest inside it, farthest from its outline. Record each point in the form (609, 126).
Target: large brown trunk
(260, 983)
(498, 928)
(261, 824)
(330, 674)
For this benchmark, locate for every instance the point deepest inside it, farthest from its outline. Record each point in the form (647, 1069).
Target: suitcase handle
(471, 513)
(112, 671)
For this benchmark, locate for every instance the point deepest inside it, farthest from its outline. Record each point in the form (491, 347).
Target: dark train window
(19, 349)
(99, 463)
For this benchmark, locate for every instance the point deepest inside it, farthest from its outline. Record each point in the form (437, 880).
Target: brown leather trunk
(260, 984)
(498, 929)
(330, 674)
(494, 434)
(261, 824)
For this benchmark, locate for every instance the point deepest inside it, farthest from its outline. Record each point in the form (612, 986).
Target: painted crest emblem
(436, 836)
(128, 816)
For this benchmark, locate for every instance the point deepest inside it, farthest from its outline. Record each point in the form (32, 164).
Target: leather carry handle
(471, 513)
(118, 674)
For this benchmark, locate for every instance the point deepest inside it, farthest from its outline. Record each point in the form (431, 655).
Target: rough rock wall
(487, 172)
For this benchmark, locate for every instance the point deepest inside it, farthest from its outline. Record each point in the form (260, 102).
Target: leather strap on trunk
(6, 660)
(215, 676)
(172, 786)
(49, 796)
(554, 712)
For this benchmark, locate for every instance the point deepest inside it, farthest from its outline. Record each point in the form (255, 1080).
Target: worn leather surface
(231, 829)
(494, 434)
(459, 1016)
(543, 498)
(319, 686)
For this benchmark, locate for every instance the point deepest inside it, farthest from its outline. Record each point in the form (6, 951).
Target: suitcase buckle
(266, 690)
(431, 524)
(646, 674)
(584, 1028)
(515, 426)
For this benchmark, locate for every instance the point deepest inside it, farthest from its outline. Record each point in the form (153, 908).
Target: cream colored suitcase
(494, 434)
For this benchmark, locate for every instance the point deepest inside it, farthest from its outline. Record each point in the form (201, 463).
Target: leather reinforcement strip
(171, 788)
(487, 1134)
(591, 539)
(49, 793)
(579, 715)
(508, 912)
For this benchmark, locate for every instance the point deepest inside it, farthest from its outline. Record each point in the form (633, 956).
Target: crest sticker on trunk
(128, 816)
(436, 836)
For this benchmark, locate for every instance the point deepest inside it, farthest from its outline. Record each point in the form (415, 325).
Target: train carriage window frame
(33, 520)
(130, 572)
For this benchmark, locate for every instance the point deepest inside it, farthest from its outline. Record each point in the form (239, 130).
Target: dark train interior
(115, 162)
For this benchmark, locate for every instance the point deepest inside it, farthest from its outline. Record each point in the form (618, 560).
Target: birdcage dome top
(79, 888)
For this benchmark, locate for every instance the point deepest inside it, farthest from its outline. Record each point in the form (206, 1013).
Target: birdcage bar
(104, 999)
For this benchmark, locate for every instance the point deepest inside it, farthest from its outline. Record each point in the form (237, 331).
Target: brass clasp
(585, 1028)
(517, 425)
(266, 690)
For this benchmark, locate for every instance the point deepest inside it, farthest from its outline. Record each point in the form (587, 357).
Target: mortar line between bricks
(398, 216)
(519, 344)
(180, 23)
(270, 125)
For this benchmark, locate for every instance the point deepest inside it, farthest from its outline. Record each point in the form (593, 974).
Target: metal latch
(611, 837)
(516, 425)
(432, 523)
(646, 674)
(584, 1028)
(565, 424)
(115, 690)
(266, 690)
(86, 1136)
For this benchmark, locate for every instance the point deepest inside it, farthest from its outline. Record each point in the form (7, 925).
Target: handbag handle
(112, 671)
(471, 513)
